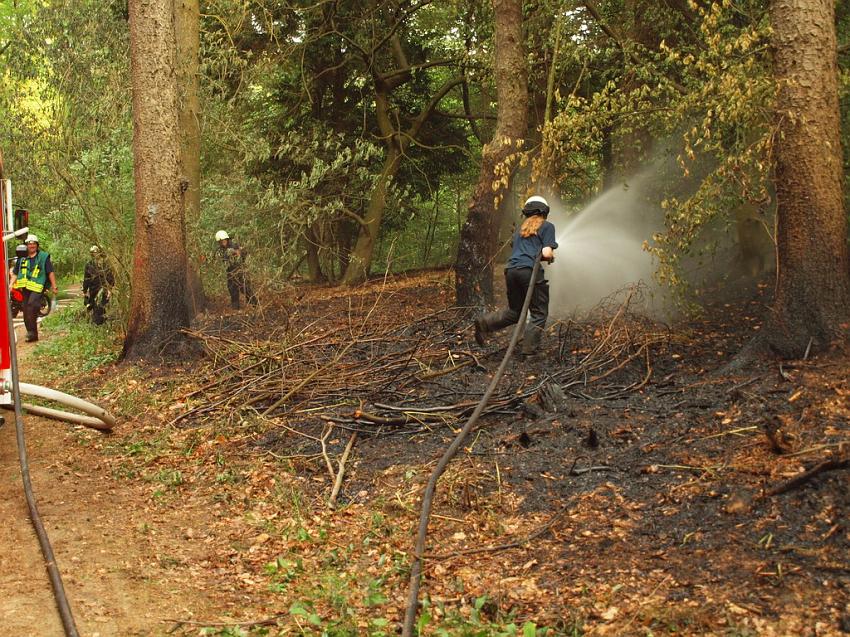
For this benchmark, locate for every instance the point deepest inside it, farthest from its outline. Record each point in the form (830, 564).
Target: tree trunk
(158, 308)
(344, 237)
(813, 268)
(432, 227)
(314, 265)
(187, 34)
(360, 259)
(479, 237)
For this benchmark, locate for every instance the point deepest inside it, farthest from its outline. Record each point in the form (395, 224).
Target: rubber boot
(492, 322)
(480, 331)
(531, 340)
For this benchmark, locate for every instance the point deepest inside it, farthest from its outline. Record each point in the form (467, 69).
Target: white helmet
(221, 235)
(535, 206)
(31, 238)
(94, 249)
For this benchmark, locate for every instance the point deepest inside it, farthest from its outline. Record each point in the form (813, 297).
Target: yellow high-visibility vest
(35, 280)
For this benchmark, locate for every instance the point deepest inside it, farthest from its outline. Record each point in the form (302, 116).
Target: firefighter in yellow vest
(31, 274)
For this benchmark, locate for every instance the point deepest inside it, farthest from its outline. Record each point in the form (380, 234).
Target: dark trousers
(32, 304)
(517, 280)
(96, 301)
(237, 281)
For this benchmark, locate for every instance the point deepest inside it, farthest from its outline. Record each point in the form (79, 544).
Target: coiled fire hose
(428, 495)
(46, 549)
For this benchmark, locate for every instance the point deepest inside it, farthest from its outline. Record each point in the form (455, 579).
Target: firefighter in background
(31, 274)
(536, 236)
(233, 256)
(98, 281)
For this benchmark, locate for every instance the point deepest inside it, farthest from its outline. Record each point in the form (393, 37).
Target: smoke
(600, 248)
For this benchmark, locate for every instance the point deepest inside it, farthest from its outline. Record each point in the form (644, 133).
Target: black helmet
(535, 206)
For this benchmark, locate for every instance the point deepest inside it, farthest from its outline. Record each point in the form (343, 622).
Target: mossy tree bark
(479, 236)
(813, 275)
(158, 307)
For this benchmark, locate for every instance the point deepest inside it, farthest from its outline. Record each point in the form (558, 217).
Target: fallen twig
(341, 471)
(268, 621)
(801, 479)
(323, 440)
(577, 472)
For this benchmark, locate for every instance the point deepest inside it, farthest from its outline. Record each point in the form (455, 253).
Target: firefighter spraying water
(534, 238)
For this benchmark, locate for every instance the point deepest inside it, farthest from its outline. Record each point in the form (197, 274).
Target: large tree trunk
(158, 308)
(813, 273)
(187, 34)
(479, 237)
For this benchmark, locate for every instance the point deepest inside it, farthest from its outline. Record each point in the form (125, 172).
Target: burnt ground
(635, 501)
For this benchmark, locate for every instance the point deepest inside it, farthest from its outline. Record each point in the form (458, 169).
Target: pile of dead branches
(611, 348)
(384, 373)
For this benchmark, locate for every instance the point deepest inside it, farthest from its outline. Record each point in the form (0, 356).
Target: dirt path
(112, 550)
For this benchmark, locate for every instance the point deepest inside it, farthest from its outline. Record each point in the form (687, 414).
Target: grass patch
(76, 347)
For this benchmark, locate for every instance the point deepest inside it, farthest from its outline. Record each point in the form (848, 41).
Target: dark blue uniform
(517, 278)
(233, 256)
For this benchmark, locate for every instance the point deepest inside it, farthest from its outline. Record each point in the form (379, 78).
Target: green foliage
(710, 96)
(292, 146)
(64, 112)
(476, 623)
(282, 571)
(297, 122)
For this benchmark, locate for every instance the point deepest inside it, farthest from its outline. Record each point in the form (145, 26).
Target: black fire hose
(46, 549)
(428, 496)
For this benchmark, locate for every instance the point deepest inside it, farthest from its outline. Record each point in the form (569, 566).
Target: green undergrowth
(75, 346)
(330, 589)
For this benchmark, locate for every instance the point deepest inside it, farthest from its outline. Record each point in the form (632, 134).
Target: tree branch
(469, 116)
(594, 11)
(395, 27)
(803, 478)
(429, 109)
(387, 77)
(468, 111)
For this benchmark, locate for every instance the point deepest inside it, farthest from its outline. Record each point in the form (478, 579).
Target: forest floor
(621, 483)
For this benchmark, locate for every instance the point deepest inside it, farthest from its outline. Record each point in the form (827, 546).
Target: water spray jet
(601, 249)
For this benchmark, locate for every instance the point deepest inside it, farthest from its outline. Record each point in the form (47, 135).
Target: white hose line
(97, 418)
